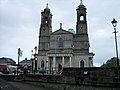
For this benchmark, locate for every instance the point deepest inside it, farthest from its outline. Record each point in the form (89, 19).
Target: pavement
(4, 85)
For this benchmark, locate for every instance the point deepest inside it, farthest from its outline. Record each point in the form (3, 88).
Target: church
(63, 47)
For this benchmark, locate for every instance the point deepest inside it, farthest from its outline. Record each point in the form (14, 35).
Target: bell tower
(81, 40)
(45, 31)
(46, 22)
(81, 27)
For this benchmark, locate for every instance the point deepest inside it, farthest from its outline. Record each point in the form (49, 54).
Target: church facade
(63, 47)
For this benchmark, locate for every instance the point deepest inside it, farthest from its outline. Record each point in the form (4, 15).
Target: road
(23, 86)
(6, 86)
(19, 86)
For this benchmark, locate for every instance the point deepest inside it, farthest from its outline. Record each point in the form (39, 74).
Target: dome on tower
(81, 5)
(71, 30)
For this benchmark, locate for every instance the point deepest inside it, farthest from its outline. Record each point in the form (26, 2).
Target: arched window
(42, 64)
(82, 63)
(82, 18)
(60, 43)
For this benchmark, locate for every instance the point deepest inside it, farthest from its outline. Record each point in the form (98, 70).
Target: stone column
(47, 63)
(70, 61)
(63, 61)
(33, 64)
(54, 62)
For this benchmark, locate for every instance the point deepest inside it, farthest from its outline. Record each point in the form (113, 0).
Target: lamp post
(32, 61)
(47, 66)
(35, 59)
(19, 55)
(18, 61)
(35, 49)
(114, 23)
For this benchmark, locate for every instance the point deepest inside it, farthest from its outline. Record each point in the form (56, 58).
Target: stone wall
(8, 77)
(59, 86)
(76, 79)
(95, 74)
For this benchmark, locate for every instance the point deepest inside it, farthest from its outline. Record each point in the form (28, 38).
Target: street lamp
(35, 59)
(18, 60)
(114, 23)
(32, 61)
(35, 49)
(47, 66)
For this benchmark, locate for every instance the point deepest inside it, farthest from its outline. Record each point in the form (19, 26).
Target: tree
(111, 62)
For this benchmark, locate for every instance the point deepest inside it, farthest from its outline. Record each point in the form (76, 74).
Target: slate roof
(26, 61)
(7, 60)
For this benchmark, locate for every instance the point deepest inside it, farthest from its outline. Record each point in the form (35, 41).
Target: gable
(61, 31)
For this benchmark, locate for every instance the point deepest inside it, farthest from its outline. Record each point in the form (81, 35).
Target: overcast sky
(20, 21)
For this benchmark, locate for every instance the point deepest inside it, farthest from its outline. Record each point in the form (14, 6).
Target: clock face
(81, 27)
(43, 30)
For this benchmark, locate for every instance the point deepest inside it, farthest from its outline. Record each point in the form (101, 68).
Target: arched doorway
(82, 64)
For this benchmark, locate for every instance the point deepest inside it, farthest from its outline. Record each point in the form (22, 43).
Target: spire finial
(47, 5)
(60, 25)
(81, 2)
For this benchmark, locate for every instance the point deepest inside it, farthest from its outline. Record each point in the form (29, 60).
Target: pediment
(61, 31)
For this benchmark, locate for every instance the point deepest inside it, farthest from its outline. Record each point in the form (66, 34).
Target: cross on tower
(47, 5)
(60, 25)
(81, 2)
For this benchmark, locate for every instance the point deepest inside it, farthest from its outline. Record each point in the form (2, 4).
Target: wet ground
(4, 85)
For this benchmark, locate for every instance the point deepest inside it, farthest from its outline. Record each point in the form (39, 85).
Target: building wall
(54, 42)
(40, 59)
(87, 58)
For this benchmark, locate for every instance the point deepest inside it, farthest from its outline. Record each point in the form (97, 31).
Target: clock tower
(45, 31)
